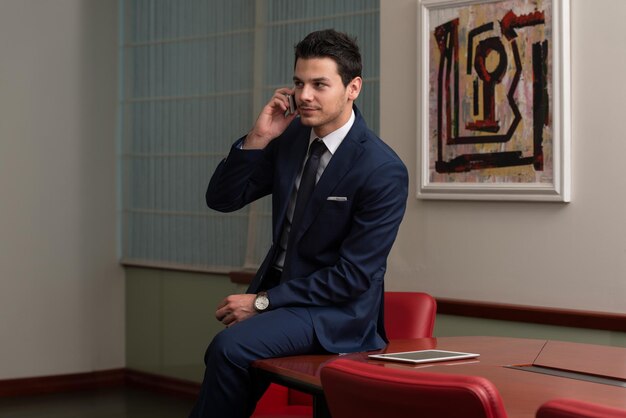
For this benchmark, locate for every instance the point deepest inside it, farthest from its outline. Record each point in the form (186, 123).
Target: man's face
(324, 103)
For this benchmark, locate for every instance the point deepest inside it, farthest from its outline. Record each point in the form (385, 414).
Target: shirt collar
(334, 139)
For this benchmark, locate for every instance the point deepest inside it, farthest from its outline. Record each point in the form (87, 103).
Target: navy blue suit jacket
(347, 231)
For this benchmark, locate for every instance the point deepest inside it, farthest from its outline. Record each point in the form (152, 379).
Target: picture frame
(494, 109)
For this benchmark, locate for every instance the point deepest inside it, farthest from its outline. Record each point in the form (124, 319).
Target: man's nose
(306, 93)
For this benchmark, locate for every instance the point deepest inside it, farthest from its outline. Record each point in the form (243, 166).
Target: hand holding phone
(272, 121)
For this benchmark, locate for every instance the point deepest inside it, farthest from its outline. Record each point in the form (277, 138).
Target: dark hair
(338, 46)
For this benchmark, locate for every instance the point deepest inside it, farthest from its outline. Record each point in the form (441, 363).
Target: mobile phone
(292, 105)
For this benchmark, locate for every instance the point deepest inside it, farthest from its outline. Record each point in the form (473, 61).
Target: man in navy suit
(320, 288)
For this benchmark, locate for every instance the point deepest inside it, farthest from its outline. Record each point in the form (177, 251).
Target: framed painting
(494, 100)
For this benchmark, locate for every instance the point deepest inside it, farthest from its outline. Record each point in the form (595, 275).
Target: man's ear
(354, 88)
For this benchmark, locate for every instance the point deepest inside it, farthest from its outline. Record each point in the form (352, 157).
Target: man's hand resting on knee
(235, 308)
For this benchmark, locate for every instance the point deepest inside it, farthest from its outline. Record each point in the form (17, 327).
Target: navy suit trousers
(229, 389)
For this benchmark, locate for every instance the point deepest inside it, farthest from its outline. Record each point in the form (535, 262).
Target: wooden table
(522, 391)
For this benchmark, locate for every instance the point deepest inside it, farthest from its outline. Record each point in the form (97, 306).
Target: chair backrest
(570, 408)
(358, 389)
(409, 314)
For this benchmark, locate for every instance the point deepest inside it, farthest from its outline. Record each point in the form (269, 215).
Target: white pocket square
(337, 198)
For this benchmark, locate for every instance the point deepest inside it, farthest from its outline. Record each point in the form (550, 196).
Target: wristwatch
(261, 302)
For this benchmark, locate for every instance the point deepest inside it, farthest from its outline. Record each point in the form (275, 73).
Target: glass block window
(194, 75)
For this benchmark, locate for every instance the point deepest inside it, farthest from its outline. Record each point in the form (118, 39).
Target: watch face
(261, 302)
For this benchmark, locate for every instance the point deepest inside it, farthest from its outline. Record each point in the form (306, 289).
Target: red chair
(570, 408)
(281, 402)
(364, 390)
(407, 315)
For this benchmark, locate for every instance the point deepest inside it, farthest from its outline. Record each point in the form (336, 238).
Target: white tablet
(424, 356)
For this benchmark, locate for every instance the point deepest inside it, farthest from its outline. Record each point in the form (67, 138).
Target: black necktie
(307, 184)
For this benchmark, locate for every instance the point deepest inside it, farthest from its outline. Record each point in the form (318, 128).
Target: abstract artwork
(494, 94)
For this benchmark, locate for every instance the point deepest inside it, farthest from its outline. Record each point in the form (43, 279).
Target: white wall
(61, 290)
(544, 254)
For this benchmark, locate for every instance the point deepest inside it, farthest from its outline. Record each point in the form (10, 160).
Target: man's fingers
(230, 319)
(235, 308)
(221, 313)
(281, 102)
(280, 96)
